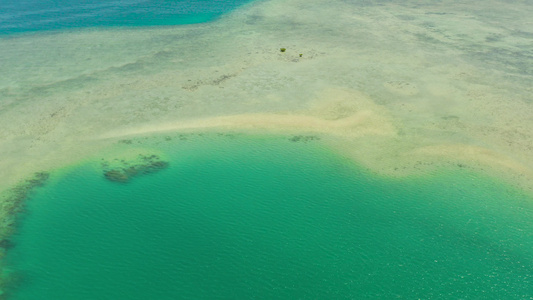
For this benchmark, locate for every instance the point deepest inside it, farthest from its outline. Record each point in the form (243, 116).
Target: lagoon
(271, 217)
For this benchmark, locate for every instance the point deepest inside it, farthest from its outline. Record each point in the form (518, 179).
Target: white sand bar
(400, 86)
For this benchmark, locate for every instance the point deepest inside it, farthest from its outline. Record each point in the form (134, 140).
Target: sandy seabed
(402, 87)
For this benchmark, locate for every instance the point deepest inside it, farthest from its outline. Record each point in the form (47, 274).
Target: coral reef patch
(12, 203)
(120, 170)
(304, 138)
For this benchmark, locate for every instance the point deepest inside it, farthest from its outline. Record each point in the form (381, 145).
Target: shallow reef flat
(402, 88)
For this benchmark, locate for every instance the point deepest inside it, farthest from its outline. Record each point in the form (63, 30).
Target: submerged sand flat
(400, 86)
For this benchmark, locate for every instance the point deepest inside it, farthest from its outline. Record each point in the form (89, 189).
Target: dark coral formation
(9, 282)
(145, 165)
(116, 175)
(6, 244)
(304, 138)
(13, 201)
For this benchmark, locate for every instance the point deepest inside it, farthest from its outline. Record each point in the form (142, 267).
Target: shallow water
(266, 217)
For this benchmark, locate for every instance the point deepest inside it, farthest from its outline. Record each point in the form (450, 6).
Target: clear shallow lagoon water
(268, 218)
(39, 15)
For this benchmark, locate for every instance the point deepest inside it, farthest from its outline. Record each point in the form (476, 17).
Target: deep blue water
(41, 15)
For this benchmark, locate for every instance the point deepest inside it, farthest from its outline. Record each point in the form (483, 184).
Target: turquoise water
(268, 218)
(43, 15)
